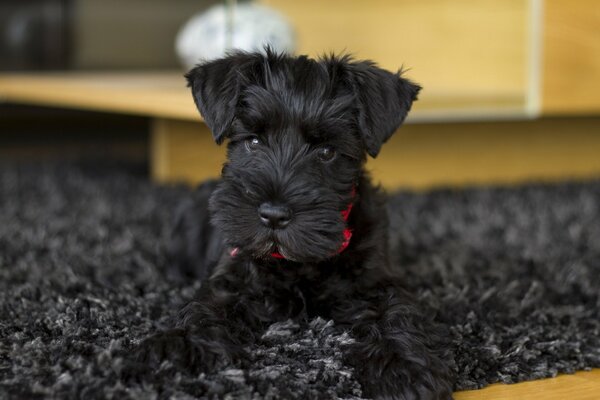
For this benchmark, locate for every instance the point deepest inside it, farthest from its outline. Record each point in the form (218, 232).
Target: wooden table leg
(183, 151)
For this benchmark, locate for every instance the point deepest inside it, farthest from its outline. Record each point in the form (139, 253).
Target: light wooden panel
(571, 74)
(579, 386)
(450, 46)
(183, 151)
(421, 156)
(426, 155)
(155, 94)
(165, 95)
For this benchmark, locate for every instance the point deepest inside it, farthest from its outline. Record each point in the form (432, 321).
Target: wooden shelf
(152, 94)
(164, 95)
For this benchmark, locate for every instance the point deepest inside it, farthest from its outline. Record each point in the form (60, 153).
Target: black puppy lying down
(295, 229)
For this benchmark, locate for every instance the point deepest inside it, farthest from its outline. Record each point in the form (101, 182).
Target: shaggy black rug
(513, 272)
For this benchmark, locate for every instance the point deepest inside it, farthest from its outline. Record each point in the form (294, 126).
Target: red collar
(347, 232)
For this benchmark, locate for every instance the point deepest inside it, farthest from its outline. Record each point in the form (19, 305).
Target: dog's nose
(274, 216)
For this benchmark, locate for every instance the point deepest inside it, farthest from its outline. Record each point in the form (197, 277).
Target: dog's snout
(274, 216)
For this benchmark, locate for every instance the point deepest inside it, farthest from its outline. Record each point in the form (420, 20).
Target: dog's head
(299, 131)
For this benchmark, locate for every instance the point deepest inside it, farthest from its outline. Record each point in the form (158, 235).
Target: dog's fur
(295, 107)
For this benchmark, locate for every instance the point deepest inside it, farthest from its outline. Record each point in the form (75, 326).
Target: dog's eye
(326, 153)
(252, 143)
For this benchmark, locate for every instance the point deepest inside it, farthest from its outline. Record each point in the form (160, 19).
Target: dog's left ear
(384, 100)
(216, 87)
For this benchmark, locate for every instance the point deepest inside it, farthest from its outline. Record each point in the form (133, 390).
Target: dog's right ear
(383, 101)
(216, 87)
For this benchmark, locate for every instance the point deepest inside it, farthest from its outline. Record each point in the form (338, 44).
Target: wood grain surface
(165, 95)
(571, 72)
(580, 386)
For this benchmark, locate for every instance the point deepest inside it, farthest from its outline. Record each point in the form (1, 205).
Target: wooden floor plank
(583, 385)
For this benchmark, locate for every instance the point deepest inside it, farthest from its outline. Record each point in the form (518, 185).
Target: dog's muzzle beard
(300, 241)
(314, 233)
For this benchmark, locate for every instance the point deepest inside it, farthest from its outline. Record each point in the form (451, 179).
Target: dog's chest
(305, 290)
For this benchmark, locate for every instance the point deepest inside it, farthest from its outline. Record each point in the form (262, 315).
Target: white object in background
(205, 36)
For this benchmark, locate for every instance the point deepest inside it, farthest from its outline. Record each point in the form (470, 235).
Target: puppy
(296, 228)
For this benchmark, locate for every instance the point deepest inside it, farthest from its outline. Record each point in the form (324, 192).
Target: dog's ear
(216, 87)
(383, 101)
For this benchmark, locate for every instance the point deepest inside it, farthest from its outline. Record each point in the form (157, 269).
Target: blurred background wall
(140, 33)
(35, 34)
(92, 34)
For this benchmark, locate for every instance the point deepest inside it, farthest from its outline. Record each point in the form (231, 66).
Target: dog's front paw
(182, 350)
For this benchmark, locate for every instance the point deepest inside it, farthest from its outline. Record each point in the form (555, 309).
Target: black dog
(297, 228)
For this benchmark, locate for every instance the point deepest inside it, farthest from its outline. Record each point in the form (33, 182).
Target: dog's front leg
(397, 353)
(231, 310)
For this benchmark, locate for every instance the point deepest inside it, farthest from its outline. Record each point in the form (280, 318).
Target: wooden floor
(579, 386)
